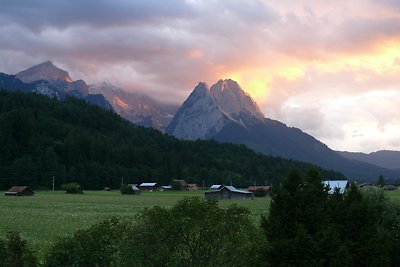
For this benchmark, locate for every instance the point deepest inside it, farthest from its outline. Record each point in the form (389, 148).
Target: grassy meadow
(42, 218)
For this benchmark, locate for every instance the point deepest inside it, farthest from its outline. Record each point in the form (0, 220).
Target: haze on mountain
(384, 158)
(137, 108)
(226, 113)
(47, 79)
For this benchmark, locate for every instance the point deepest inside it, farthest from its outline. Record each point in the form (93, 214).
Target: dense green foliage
(71, 188)
(184, 235)
(70, 140)
(127, 189)
(308, 227)
(14, 252)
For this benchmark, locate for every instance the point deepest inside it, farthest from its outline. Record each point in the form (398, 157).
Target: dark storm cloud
(39, 14)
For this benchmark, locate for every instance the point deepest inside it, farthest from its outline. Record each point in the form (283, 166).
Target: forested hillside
(71, 140)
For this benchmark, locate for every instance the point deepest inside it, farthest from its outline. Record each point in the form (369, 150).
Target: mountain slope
(244, 123)
(383, 158)
(137, 108)
(73, 141)
(44, 71)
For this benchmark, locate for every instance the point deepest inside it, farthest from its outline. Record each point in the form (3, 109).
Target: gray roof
(341, 184)
(233, 189)
(215, 186)
(147, 184)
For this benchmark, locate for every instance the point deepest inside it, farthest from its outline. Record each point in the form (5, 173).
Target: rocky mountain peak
(44, 71)
(207, 110)
(233, 100)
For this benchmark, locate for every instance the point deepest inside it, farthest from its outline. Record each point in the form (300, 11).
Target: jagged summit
(44, 71)
(207, 110)
(233, 100)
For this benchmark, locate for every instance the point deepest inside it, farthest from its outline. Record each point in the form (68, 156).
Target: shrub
(127, 189)
(72, 188)
(94, 246)
(14, 252)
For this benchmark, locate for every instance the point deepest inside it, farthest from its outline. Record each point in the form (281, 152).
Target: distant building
(134, 187)
(253, 189)
(19, 191)
(216, 187)
(389, 187)
(192, 187)
(166, 187)
(340, 184)
(228, 192)
(149, 186)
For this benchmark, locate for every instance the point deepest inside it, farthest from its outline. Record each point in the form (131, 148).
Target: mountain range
(222, 112)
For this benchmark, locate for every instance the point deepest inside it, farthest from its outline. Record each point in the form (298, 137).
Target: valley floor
(43, 217)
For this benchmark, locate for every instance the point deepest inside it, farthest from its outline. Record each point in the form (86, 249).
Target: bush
(72, 188)
(14, 252)
(194, 232)
(94, 246)
(260, 192)
(127, 189)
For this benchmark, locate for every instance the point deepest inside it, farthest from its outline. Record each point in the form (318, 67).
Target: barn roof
(233, 189)
(255, 188)
(341, 184)
(17, 189)
(147, 184)
(215, 186)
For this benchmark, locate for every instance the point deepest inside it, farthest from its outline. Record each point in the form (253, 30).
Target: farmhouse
(341, 184)
(228, 192)
(19, 191)
(149, 186)
(192, 187)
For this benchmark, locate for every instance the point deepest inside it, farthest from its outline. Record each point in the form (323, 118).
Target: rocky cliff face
(44, 71)
(208, 110)
(137, 108)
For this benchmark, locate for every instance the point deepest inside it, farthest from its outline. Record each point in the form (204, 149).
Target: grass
(42, 218)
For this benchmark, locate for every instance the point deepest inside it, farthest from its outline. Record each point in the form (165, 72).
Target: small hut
(149, 186)
(19, 191)
(216, 187)
(228, 192)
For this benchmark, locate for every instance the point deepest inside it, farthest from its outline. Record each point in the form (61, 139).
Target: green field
(43, 217)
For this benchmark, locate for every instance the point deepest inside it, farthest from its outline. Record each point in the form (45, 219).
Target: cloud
(301, 60)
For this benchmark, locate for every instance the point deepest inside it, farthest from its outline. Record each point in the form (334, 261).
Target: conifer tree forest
(73, 141)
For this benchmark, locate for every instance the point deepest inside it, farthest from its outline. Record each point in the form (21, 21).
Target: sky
(330, 68)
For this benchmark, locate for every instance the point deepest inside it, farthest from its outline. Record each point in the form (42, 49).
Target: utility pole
(53, 183)
(122, 180)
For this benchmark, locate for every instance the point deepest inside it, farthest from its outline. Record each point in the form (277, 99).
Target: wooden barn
(19, 191)
(149, 187)
(228, 192)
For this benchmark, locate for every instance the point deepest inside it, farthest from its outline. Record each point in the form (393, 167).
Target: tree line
(73, 141)
(305, 226)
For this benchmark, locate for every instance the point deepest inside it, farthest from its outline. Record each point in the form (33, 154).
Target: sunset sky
(331, 68)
